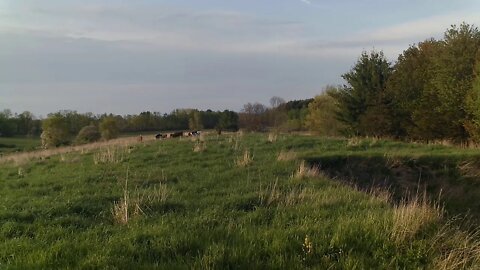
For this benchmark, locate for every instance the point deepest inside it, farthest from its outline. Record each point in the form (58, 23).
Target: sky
(125, 57)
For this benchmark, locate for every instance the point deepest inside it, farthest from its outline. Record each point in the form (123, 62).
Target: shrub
(88, 134)
(108, 128)
(55, 131)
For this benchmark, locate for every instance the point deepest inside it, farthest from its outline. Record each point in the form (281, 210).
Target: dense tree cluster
(431, 92)
(24, 124)
(281, 116)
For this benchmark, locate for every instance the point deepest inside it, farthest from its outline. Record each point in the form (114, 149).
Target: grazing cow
(159, 136)
(176, 134)
(140, 138)
(195, 133)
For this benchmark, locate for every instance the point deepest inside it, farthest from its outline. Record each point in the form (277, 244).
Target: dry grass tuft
(305, 171)
(460, 250)
(110, 155)
(235, 140)
(354, 141)
(244, 160)
(287, 155)
(380, 194)
(391, 161)
(272, 137)
(199, 147)
(411, 216)
(443, 142)
(127, 208)
(469, 169)
(121, 209)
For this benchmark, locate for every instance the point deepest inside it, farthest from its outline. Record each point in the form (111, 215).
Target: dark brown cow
(176, 134)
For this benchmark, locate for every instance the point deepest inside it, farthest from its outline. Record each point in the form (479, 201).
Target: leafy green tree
(322, 114)
(454, 79)
(195, 121)
(472, 123)
(413, 98)
(88, 134)
(25, 123)
(109, 128)
(362, 102)
(55, 131)
(228, 120)
(8, 126)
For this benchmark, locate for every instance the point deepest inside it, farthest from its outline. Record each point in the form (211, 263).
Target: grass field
(18, 144)
(223, 202)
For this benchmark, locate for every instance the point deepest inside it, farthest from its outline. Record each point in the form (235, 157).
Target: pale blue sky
(130, 56)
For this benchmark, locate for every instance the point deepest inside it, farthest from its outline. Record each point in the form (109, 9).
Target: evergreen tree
(363, 103)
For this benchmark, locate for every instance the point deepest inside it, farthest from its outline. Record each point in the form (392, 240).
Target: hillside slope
(228, 202)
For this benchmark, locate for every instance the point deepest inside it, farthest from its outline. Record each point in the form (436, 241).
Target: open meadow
(18, 144)
(235, 201)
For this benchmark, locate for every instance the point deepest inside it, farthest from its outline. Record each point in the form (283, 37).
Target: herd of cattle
(177, 134)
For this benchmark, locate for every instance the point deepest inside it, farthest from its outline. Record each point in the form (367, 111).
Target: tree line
(66, 127)
(431, 92)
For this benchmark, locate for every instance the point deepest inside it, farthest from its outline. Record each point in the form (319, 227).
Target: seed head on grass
(21, 172)
(307, 247)
(244, 160)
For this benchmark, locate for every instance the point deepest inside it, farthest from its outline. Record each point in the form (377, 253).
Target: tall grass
(273, 195)
(110, 155)
(409, 216)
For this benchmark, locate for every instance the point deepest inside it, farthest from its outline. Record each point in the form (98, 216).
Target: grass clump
(129, 207)
(245, 159)
(305, 171)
